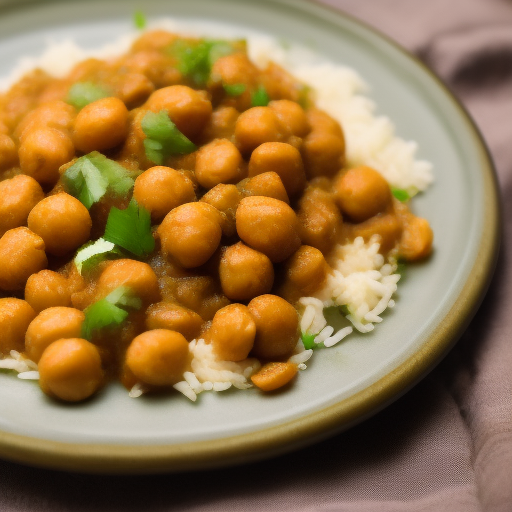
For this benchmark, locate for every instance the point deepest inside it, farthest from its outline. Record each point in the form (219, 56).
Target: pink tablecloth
(447, 444)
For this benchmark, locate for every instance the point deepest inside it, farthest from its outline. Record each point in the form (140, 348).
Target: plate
(343, 385)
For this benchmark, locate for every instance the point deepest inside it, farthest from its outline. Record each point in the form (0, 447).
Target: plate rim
(251, 446)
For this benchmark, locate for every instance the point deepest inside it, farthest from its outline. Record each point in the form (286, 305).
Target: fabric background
(447, 444)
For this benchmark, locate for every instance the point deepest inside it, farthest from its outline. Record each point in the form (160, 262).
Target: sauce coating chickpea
(292, 118)
(269, 226)
(158, 357)
(17, 197)
(50, 325)
(62, 221)
(256, 126)
(164, 315)
(160, 189)
(232, 332)
(191, 233)
(21, 254)
(15, 317)
(322, 153)
(277, 326)
(47, 289)
(103, 124)
(245, 273)
(70, 369)
(267, 184)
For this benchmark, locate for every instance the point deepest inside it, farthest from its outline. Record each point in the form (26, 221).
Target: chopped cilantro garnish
(401, 194)
(308, 340)
(83, 93)
(401, 268)
(234, 89)
(89, 178)
(107, 312)
(91, 254)
(130, 229)
(163, 138)
(260, 97)
(139, 20)
(344, 310)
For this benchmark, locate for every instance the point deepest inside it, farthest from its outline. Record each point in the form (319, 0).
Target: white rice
(361, 280)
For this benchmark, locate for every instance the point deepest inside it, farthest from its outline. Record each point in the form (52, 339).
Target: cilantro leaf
(139, 20)
(308, 340)
(81, 94)
(234, 89)
(91, 254)
(401, 194)
(260, 97)
(130, 229)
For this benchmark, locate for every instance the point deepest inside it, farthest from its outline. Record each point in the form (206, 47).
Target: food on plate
(181, 214)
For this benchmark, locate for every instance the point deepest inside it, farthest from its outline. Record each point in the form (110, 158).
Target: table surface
(445, 445)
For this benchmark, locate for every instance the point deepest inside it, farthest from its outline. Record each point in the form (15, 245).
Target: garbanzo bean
(277, 326)
(232, 332)
(224, 198)
(160, 189)
(47, 289)
(188, 109)
(283, 159)
(8, 152)
(15, 316)
(221, 124)
(136, 275)
(43, 151)
(291, 116)
(274, 375)
(269, 226)
(62, 221)
(51, 325)
(362, 192)
(21, 254)
(70, 369)
(267, 184)
(158, 357)
(17, 197)
(165, 315)
(133, 89)
(416, 240)
(218, 162)
(103, 124)
(322, 153)
(245, 273)
(191, 233)
(256, 126)
(320, 121)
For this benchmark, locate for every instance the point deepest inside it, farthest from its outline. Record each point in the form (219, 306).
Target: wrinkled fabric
(447, 444)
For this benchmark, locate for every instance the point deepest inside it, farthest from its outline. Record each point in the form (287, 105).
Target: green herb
(163, 138)
(308, 340)
(304, 99)
(260, 97)
(107, 312)
(130, 229)
(83, 93)
(344, 310)
(401, 194)
(234, 89)
(92, 175)
(401, 268)
(139, 20)
(92, 253)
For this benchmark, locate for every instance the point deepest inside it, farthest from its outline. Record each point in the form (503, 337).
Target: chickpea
(221, 124)
(157, 66)
(256, 126)
(165, 315)
(218, 162)
(8, 152)
(133, 89)
(274, 375)
(269, 226)
(158, 357)
(386, 225)
(103, 124)
(21, 254)
(51, 325)
(245, 273)
(17, 197)
(304, 272)
(417, 238)
(136, 275)
(62, 221)
(70, 369)
(232, 333)
(47, 289)
(291, 116)
(277, 327)
(43, 151)
(191, 233)
(160, 189)
(15, 316)
(224, 198)
(320, 121)
(53, 114)
(283, 159)
(267, 184)
(190, 110)
(153, 40)
(320, 220)
(362, 192)
(322, 153)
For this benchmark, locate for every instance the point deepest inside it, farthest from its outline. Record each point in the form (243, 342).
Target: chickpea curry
(175, 193)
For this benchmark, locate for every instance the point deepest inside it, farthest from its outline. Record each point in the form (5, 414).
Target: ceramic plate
(343, 385)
